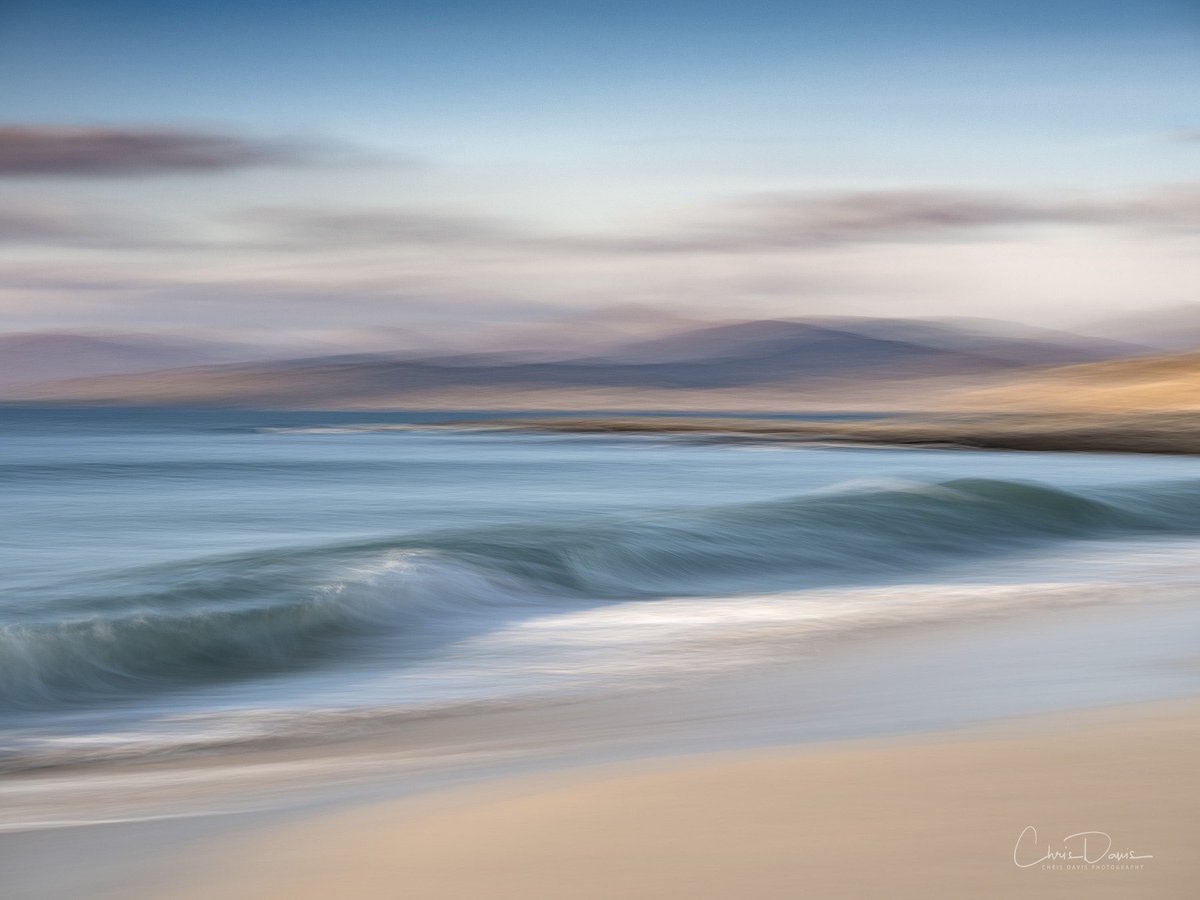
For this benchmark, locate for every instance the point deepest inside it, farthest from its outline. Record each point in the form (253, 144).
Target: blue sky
(583, 134)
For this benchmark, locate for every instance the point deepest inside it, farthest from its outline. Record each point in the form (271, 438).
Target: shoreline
(882, 675)
(929, 816)
(1173, 432)
(901, 688)
(1169, 433)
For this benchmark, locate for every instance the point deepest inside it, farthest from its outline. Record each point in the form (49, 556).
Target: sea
(178, 581)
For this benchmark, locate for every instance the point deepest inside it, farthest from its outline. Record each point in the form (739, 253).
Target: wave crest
(234, 617)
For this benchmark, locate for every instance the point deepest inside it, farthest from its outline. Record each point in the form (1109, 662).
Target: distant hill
(998, 342)
(31, 357)
(590, 333)
(1009, 341)
(1174, 328)
(737, 359)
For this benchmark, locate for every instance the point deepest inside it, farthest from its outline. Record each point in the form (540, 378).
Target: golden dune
(1163, 383)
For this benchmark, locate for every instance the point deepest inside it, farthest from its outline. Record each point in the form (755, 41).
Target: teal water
(176, 578)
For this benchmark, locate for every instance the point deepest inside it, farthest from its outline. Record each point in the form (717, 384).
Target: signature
(1086, 847)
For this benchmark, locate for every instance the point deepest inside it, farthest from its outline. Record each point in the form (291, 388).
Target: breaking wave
(239, 616)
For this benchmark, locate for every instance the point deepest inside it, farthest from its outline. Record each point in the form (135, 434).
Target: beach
(983, 812)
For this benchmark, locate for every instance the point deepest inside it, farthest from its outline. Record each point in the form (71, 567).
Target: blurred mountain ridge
(678, 357)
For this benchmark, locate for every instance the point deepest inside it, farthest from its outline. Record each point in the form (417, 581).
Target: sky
(369, 171)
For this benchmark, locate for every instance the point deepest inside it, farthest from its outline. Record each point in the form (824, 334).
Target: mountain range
(32, 357)
(780, 358)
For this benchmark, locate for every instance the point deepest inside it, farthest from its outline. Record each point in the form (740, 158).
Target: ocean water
(174, 579)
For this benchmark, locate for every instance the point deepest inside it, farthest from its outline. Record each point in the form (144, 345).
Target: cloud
(94, 152)
(38, 226)
(761, 223)
(779, 222)
(795, 220)
(60, 226)
(317, 227)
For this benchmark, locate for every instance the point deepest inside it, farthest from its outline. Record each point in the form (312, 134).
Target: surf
(222, 618)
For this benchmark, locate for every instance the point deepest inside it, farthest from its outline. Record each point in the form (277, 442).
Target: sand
(928, 817)
(1163, 433)
(1144, 384)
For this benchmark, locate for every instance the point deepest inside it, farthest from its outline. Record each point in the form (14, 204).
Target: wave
(232, 617)
(183, 469)
(838, 536)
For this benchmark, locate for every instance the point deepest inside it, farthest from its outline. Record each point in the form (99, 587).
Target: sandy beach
(1111, 795)
(1171, 433)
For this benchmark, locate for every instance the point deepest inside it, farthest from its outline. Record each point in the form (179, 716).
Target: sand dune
(1156, 383)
